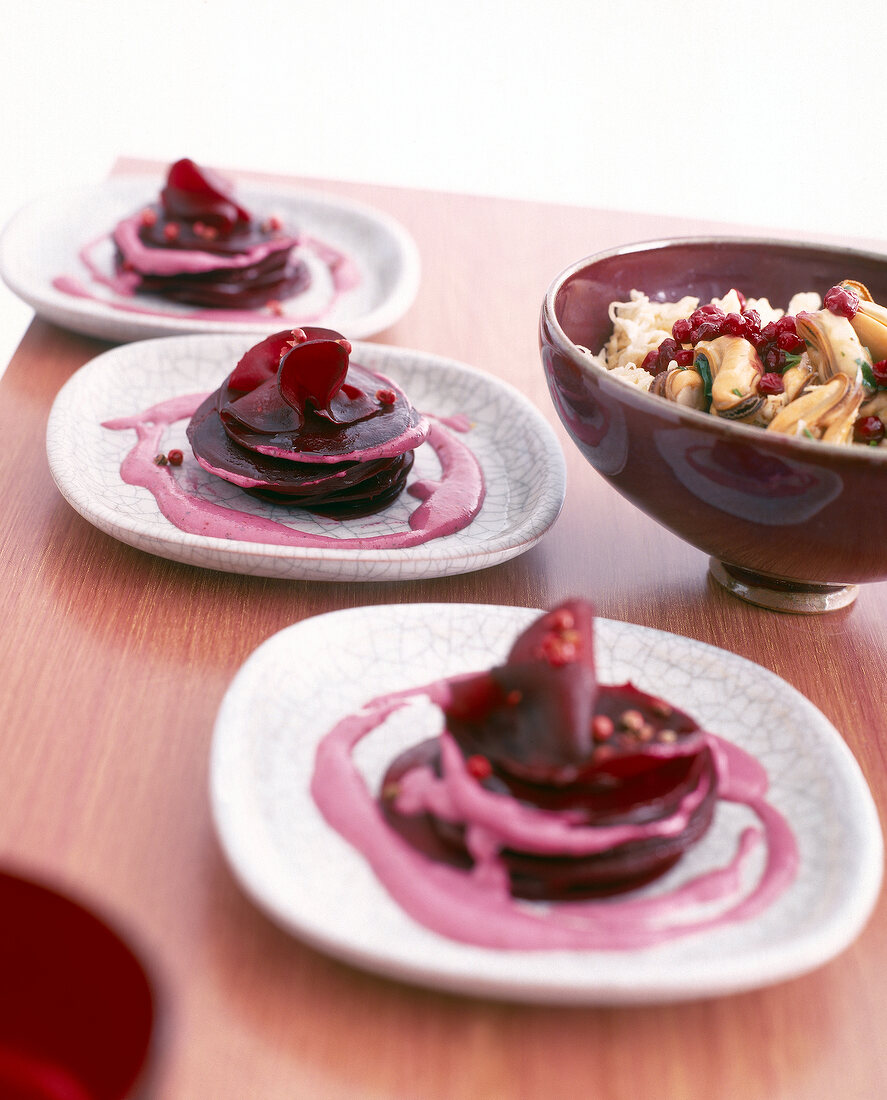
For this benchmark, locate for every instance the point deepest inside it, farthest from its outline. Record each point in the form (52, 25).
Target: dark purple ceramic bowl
(790, 523)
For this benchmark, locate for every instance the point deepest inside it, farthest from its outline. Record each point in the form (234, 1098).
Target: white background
(766, 114)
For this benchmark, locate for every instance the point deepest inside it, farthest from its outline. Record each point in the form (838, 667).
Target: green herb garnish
(867, 375)
(704, 370)
(791, 360)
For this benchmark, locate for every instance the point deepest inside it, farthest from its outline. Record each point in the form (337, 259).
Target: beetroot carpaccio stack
(578, 789)
(198, 245)
(297, 422)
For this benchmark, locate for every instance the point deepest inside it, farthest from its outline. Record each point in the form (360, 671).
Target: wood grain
(114, 664)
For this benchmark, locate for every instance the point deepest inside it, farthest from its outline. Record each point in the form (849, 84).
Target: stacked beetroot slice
(198, 245)
(298, 423)
(540, 737)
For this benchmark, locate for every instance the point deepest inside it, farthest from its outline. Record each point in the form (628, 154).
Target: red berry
(734, 325)
(149, 216)
(774, 359)
(171, 231)
(868, 429)
(771, 383)
(789, 341)
(562, 619)
(558, 651)
(684, 357)
(650, 360)
(681, 330)
(175, 456)
(708, 330)
(602, 727)
(478, 767)
(786, 323)
(752, 319)
(386, 397)
(879, 370)
(842, 301)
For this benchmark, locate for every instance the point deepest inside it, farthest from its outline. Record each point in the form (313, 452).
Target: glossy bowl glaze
(76, 1008)
(790, 523)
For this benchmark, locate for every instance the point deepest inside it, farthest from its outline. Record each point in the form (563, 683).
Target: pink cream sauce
(447, 505)
(344, 276)
(476, 907)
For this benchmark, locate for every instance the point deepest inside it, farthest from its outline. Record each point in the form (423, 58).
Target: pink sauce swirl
(476, 907)
(448, 504)
(343, 271)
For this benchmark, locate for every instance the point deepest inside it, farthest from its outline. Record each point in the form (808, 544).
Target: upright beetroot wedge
(540, 732)
(192, 192)
(548, 684)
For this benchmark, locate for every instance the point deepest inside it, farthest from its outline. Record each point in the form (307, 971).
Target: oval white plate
(43, 241)
(521, 459)
(309, 879)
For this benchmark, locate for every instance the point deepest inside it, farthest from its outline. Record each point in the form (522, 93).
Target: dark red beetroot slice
(553, 878)
(548, 683)
(273, 279)
(193, 193)
(262, 361)
(357, 423)
(350, 488)
(312, 372)
(532, 720)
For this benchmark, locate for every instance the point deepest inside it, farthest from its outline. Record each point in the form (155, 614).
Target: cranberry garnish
(790, 342)
(478, 766)
(386, 397)
(773, 359)
(752, 319)
(771, 383)
(843, 301)
(708, 330)
(681, 330)
(684, 357)
(879, 372)
(733, 325)
(171, 231)
(149, 217)
(175, 457)
(650, 361)
(869, 429)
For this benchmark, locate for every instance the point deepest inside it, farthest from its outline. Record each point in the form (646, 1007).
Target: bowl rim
(806, 448)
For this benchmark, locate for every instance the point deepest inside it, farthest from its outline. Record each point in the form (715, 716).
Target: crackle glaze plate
(521, 460)
(44, 242)
(312, 882)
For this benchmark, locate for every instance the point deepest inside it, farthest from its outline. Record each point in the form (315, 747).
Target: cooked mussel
(870, 320)
(683, 385)
(825, 412)
(733, 366)
(833, 345)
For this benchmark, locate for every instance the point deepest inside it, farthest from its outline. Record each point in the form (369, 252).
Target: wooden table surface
(114, 664)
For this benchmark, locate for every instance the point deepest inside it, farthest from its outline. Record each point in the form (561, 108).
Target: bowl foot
(782, 595)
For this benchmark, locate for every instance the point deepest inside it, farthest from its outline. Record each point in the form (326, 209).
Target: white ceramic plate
(43, 241)
(522, 463)
(312, 882)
